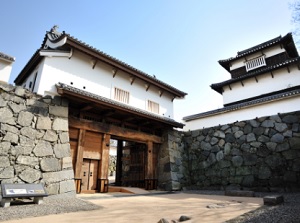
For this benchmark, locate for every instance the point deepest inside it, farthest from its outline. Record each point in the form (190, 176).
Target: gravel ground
(55, 204)
(288, 212)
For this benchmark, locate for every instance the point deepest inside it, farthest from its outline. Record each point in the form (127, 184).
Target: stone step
(273, 200)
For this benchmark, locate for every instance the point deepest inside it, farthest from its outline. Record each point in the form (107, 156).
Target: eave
(6, 57)
(250, 103)
(29, 67)
(218, 87)
(71, 92)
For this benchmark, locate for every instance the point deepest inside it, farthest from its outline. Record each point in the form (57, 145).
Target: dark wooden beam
(87, 107)
(121, 133)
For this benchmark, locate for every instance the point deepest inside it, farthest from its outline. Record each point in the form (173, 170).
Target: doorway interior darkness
(131, 163)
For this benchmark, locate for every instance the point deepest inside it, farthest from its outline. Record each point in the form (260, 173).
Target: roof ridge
(257, 47)
(7, 57)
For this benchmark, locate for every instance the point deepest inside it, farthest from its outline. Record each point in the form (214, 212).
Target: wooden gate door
(89, 173)
(137, 166)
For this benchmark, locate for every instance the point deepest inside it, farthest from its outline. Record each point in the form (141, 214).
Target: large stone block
(20, 91)
(9, 128)
(60, 124)
(50, 164)
(264, 172)
(294, 143)
(219, 134)
(6, 116)
(237, 160)
(62, 150)
(4, 161)
(43, 148)
(44, 123)
(290, 119)
(21, 150)
(3, 103)
(7, 172)
(250, 159)
(251, 137)
(58, 111)
(50, 136)
(52, 177)
(25, 141)
(273, 200)
(11, 137)
(25, 118)
(29, 132)
(243, 170)
(30, 175)
(64, 137)
(66, 186)
(28, 160)
(16, 108)
(220, 155)
(66, 162)
(268, 123)
(52, 189)
(277, 138)
(4, 148)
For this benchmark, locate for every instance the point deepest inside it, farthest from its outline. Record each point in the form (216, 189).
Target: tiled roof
(127, 65)
(274, 97)
(55, 37)
(218, 86)
(118, 104)
(286, 39)
(7, 57)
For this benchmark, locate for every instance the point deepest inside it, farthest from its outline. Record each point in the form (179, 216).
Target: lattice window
(153, 107)
(121, 95)
(255, 63)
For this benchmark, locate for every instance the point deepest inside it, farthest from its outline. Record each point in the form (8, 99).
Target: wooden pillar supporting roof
(104, 163)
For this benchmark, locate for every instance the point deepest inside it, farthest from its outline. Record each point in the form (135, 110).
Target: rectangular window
(255, 63)
(153, 107)
(121, 95)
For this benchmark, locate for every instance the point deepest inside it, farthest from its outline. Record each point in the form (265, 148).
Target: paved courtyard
(150, 209)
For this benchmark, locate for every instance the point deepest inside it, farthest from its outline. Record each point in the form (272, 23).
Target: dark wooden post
(149, 178)
(104, 163)
(119, 163)
(79, 160)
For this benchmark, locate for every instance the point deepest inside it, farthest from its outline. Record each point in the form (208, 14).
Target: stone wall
(34, 140)
(261, 154)
(170, 169)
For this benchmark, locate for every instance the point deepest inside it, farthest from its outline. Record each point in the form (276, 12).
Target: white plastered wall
(5, 70)
(267, 109)
(78, 72)
(266, 83)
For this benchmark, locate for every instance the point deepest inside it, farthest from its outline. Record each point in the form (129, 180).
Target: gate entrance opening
(93, 122)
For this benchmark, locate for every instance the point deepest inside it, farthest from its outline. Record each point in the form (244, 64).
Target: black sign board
(23, 190)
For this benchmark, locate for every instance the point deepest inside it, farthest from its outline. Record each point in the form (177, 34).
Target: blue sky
(180, 42)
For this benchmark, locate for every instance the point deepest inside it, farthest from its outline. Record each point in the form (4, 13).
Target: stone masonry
(34, 140)
(262, 154)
